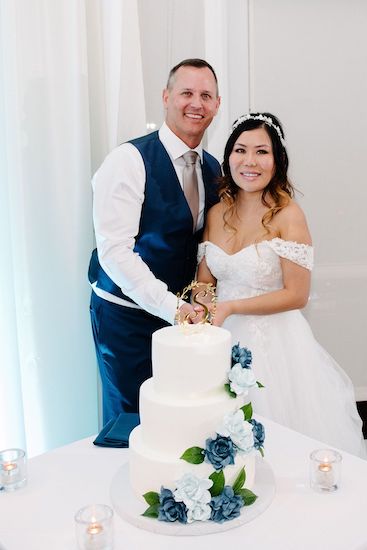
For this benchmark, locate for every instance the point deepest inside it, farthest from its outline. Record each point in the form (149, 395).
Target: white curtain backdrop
(71, 90)
(115, 75)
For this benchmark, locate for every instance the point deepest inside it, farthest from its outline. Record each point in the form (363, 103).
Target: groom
(149, 208)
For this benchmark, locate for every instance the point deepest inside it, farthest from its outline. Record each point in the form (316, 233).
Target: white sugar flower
(241, 379)
(192, 490)
(239, 430)
(199, 512)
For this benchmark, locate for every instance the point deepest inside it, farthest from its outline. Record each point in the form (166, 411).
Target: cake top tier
(191, 360)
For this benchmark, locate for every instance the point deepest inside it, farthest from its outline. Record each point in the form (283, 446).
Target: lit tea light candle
(95, 539)
(9, 468)
(94, 529)
(12, 469)
(10, 473)
(326, 475)
(325, 469)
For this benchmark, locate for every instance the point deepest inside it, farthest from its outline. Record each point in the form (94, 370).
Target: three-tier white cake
(181, 406)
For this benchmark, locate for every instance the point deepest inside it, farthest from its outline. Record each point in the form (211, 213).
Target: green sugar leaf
(247, 411)
(152, 511)
(239, 481)
(218, 483)
(193, 455)
(248, 497)
(231, 393)
(151, 498)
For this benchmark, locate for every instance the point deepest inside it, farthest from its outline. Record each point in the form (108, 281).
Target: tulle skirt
(305, 389)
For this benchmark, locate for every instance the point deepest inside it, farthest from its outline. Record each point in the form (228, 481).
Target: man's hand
(190, 314)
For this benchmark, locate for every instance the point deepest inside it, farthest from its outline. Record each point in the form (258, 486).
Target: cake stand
(130, 508)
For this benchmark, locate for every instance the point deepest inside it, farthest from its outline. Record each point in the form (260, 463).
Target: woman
(257, 250)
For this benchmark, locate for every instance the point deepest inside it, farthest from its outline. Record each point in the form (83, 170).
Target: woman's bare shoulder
(217, 209)
(292, 223)
(214, 220)
(215, 213)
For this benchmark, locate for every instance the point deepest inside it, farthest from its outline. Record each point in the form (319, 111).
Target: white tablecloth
(41, 515)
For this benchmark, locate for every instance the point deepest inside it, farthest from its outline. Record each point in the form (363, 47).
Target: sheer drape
(53, 53)
(115, 76)
(72, 89)
(227, 48)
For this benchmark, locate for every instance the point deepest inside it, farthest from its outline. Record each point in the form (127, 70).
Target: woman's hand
(222, 311)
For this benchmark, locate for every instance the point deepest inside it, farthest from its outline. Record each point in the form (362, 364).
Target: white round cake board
(129, 508)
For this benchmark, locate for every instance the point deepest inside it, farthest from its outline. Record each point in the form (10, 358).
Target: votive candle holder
(94, 527)
(325, 470)
(13, 469)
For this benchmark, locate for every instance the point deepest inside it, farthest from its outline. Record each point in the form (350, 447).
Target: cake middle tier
(170, 426)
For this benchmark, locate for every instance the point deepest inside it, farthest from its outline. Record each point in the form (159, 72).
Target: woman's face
(252, 162)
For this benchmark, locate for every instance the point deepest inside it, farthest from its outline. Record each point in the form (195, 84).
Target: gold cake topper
(206, 292)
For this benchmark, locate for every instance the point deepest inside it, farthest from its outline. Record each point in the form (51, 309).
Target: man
(147, 234)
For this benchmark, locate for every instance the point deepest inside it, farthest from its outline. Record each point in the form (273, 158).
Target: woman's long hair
(279, 188)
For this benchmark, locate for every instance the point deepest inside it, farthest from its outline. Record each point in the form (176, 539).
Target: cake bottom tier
(150, 471)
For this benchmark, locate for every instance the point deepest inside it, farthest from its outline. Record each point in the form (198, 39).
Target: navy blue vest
(165, 241)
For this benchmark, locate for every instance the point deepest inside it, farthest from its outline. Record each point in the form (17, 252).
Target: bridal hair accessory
(263, 118)
(203, 291)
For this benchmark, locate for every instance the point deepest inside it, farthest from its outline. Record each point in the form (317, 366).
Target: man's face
(191, 103)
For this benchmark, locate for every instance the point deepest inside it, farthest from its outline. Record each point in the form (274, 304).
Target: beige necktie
(190, 184)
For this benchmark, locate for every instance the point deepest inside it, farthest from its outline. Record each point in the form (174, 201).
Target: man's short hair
(195, 62)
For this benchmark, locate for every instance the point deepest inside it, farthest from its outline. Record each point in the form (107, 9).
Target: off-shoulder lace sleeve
(301, 254)
(201, 251)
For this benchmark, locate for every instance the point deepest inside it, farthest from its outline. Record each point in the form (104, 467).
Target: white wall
(173, 30)
(309, 66)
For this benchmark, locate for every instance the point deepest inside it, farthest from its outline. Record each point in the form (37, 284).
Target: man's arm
(119, 187)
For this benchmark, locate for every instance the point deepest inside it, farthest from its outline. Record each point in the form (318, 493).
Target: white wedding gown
(305, 389)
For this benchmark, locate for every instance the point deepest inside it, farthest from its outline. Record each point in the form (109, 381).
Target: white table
(41, 515)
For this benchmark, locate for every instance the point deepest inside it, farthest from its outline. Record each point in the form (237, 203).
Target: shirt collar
(174, 145)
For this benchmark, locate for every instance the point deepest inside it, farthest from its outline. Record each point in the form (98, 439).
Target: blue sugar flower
(169, 509)
(258, 432)
(226, 506)
(220, 452)
(242, 356)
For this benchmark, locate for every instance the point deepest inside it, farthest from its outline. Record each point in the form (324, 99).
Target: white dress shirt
(119, 190)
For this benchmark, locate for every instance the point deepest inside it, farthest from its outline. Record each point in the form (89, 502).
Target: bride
(257, 249)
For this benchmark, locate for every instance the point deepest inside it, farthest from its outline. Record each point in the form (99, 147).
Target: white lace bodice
(255, 269)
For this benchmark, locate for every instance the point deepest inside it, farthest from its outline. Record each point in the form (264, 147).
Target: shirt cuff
(168, 308)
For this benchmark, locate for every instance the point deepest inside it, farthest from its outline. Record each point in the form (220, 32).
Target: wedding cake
(196, 442)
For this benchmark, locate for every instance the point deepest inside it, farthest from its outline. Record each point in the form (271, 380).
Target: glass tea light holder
(13, 469)
(94, 527)
(325, 470)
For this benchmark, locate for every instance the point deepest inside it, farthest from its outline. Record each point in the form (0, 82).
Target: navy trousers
(123, 339)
